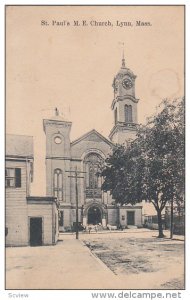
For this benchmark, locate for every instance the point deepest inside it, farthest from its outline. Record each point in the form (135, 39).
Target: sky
(72, 67)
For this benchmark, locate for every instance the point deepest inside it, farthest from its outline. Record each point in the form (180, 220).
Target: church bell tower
(58, 156)
(124, 107)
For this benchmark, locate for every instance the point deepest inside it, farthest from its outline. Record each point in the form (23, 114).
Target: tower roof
(58, 116)
(57, 120)
(124, 70)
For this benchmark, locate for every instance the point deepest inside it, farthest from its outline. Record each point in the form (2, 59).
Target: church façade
(86, 154)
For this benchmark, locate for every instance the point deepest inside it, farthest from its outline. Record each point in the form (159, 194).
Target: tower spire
(123, 58)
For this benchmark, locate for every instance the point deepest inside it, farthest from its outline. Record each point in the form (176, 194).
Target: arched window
(92, 163)
(128, 113)
(58, 184)
(115, 115)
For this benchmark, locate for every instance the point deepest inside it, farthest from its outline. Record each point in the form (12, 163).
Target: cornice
(122, 98)
(121, 126)
(58, 123)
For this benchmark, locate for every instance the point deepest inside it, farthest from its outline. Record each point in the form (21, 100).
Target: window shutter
(17, 177)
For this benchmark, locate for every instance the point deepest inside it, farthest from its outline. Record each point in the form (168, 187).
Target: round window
(57, 140)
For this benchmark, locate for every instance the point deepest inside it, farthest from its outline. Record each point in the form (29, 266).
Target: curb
(105, 267)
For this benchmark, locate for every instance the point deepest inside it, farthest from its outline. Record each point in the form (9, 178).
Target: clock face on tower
(127, 83)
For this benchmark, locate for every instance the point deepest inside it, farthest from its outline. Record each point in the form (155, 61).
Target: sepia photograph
(95, 147)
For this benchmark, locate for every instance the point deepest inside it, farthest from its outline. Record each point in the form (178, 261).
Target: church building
(86, 155)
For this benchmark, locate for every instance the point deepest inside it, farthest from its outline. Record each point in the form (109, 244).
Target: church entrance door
(94, 215)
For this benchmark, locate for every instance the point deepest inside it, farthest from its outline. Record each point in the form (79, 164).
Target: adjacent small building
(29, 220)
(42, 220)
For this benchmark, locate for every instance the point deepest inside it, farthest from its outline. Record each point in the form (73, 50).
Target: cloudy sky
(72, 67)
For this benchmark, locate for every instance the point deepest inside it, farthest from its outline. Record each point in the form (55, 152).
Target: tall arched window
(58, 184)
(128, 113)
(92, 163)
(115, 115)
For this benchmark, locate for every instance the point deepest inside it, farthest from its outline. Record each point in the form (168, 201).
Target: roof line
(88, 133)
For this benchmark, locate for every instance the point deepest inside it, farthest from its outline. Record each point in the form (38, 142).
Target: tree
(152, 168)
(163, 141)
(123, 174)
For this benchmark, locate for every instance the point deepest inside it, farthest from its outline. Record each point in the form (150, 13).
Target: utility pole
(75, 175)
(171, 219)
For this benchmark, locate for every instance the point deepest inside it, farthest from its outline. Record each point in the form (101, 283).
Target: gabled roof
(90, 133)
(19, 145)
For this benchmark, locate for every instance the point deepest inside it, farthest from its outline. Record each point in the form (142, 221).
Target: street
(134, 259)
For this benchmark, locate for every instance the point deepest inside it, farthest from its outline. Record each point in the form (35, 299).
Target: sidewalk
(68, 265)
